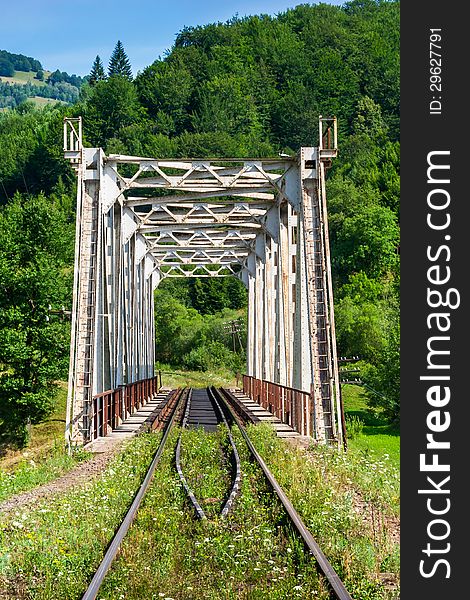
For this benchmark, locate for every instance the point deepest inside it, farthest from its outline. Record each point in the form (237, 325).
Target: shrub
(354, 426)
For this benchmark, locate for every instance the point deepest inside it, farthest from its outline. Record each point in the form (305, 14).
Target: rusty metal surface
(110, 408)
(292, 406)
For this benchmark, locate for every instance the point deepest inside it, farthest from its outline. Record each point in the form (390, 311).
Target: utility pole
(233, 327)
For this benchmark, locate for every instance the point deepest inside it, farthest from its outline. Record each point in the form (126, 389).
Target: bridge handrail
(111, 407)
(291, 405)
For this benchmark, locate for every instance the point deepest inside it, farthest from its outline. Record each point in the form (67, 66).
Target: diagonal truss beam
(141, 220)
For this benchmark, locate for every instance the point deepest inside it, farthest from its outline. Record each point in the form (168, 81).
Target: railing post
(105, 416)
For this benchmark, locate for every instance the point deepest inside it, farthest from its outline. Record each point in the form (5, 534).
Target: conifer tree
(97, 71)
(119, 63)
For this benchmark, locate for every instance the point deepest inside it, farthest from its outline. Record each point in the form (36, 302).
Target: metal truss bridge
(141, 220)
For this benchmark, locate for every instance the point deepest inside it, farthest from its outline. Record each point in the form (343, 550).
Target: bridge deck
(259, 414)
(201, 411)
(132, 425)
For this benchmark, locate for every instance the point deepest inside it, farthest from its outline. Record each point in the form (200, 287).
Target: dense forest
(252, 86)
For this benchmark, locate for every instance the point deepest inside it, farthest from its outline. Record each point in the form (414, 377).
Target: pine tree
(97, 71)
(119, 63)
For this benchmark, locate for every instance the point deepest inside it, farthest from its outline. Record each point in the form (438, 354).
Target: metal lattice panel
(140, 220)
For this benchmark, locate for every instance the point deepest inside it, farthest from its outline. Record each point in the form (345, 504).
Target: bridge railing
(112, 407)
(290, 405)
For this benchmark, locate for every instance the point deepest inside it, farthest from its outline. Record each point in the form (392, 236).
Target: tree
(97, 71)
(111, 107)
(382, 380)
(35, 246)
(6, 68)
(119, 63)
(40, 75)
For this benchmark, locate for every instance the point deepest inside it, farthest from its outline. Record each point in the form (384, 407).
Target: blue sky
(68, 34)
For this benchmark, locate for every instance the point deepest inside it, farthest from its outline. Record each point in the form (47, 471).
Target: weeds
(333, 492)
(31, 473)
(354, 427)
(251, 554)
(52, 552)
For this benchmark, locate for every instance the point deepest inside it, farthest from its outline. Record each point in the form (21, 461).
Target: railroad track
(208, 409)
(203, 410)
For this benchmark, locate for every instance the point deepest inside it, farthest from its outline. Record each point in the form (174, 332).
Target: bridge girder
(141, 220)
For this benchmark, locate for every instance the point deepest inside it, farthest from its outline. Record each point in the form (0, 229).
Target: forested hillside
(23, 77)
(250, 87)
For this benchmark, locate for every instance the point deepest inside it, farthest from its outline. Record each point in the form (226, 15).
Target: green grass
(23, 77)
(331, 490)
(41, 102)
(44, 459)
(45, 437)
(206, 468)
(53, 550)
(378, 438)
(29, 473)
(174, 378)
(251, 554)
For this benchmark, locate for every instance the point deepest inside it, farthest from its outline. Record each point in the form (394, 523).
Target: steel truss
(141, 220)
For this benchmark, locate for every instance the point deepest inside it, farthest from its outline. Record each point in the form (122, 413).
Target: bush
(382, 381)
(354, 426)
(211, 355)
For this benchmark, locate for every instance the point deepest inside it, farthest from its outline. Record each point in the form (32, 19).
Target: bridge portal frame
(141, 220)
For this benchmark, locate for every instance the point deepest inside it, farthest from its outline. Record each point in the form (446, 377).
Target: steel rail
(197, 507)
(93, 589)
(236, 481)
(325, 566)
(238, 475)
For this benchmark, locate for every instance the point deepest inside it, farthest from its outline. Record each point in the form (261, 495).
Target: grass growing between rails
(53, 550)
(251, 554)
(206, 467)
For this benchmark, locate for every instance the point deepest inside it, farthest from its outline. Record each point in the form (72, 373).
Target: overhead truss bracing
(141, 220)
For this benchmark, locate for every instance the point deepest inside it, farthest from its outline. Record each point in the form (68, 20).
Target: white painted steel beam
(262, 220)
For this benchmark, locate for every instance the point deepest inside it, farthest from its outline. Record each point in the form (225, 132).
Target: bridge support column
(258, 307)
(284, 297)
(315, 275)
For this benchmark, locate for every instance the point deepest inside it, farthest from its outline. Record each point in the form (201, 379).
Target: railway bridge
(142, 219)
